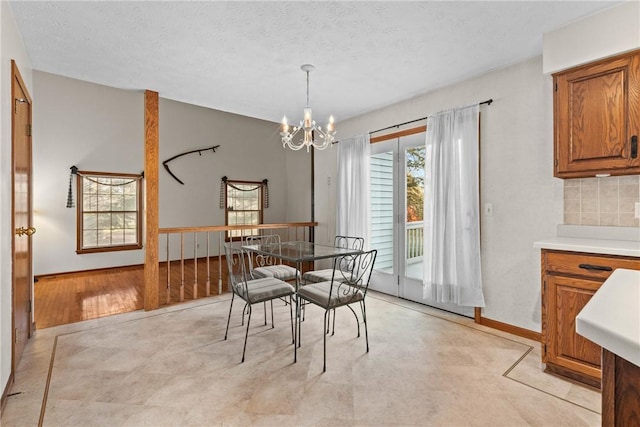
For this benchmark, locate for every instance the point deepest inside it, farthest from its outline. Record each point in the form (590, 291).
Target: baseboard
(88, 272)
(5, 394)
(505, 327)
(113, 269)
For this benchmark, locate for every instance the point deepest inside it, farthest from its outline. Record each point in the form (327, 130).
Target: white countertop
(611, 318)
(589, 245)
(623, 241)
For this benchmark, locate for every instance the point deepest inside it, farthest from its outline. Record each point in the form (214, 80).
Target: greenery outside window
(415, 183)
(243, 206)
(109, 212)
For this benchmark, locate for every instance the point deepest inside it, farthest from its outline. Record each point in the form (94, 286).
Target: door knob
(25, 231)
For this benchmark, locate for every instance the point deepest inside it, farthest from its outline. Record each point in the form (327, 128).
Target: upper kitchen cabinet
(597, 118)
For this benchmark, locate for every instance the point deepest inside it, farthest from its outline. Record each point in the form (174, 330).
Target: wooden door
(565, 297)
(597, 118)
(22, 275)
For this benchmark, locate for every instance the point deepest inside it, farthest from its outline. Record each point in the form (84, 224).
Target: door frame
(17, 81)
(393, 283)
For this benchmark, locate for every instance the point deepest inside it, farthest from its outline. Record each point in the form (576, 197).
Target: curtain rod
(488, 102)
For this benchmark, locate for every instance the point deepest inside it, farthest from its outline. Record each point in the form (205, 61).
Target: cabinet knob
(634, 146)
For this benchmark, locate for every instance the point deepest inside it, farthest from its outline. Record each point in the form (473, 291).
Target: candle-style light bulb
(307, 118)
(330, 125)
(285, 124)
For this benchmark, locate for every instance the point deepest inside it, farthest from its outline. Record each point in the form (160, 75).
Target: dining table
(299, 253)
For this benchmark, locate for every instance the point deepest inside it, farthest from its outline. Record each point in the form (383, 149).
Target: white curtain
(451, 209)
(352, 195)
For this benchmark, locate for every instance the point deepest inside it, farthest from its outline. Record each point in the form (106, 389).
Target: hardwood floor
(73, 297)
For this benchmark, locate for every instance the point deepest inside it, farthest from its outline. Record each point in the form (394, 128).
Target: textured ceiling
(245, 57)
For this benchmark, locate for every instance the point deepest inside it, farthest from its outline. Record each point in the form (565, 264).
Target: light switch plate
(637, 210)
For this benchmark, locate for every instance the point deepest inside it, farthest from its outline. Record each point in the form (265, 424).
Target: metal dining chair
(323, 275)
(253, 291)
(269, 266)
(348, 285)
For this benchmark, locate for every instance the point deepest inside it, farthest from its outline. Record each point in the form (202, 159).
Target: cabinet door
(596, 117)
(565, 297)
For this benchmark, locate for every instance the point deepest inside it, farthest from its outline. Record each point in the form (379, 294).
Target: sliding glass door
(397, 188)
(397, 227)
(384, 228)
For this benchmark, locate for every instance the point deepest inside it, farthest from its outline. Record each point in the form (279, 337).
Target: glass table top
(300, 251)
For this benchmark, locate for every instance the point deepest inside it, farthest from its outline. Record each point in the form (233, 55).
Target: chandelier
(313, 134)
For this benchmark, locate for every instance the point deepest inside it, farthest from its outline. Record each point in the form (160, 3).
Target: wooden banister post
(151, 214)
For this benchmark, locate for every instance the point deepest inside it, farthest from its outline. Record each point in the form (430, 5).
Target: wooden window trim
(80, 210)
(398, 134)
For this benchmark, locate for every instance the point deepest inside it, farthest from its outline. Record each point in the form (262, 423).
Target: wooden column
(151, 266)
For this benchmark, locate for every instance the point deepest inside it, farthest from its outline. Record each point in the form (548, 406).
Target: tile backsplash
(603, 201)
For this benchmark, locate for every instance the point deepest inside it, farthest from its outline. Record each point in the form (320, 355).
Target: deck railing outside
(190, 246)
(415, 241)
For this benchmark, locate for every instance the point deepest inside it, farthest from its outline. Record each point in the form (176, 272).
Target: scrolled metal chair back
(237, 265)
(349, 242)
(258, 260)
(351, 275)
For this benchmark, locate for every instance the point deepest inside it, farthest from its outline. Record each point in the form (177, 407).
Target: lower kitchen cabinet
(569, 280)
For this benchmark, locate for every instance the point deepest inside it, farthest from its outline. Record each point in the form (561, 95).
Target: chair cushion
(265, 289)
(341, 294)
(316, 276)
(280, 271)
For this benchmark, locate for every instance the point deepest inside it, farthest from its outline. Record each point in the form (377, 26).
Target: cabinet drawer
(586, 265)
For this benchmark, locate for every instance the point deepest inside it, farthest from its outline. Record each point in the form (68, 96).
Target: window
(109, 212)
(243, 206)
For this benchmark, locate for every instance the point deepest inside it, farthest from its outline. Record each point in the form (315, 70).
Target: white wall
(249, 151)
(604, 34)
(11, 47)
(516, 176)
(298, 175)
(100, 128)
(96, 128)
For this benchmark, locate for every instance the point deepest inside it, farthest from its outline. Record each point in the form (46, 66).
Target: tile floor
(171, 367)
